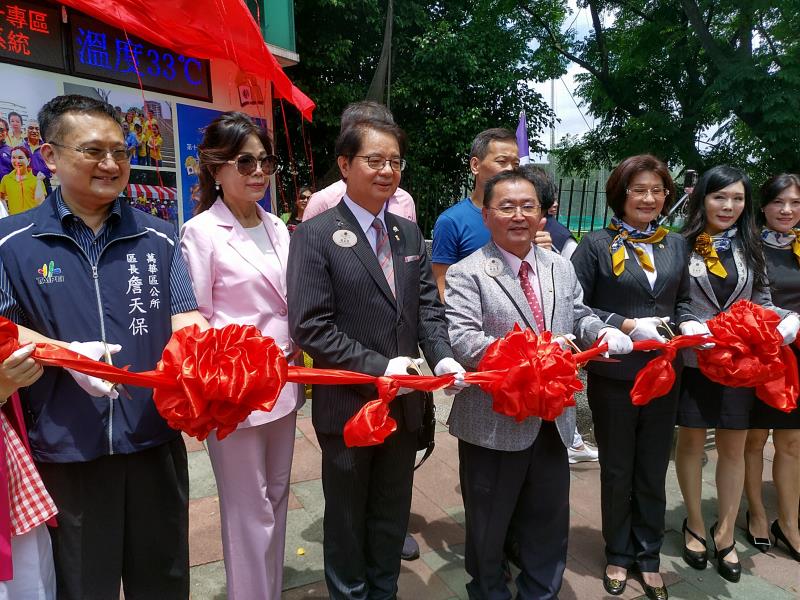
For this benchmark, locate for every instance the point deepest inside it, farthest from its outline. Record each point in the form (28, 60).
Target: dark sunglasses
(247, 164)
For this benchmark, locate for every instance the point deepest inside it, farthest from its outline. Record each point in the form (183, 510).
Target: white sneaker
(582, 453)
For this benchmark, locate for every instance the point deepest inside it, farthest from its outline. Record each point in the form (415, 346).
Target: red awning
(202, 29)
(136, 190)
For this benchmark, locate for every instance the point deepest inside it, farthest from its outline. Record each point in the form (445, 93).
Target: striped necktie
(384, 252)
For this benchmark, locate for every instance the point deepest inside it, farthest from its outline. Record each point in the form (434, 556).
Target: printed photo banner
(212, 380)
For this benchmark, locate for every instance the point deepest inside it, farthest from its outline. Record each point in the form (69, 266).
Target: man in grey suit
(362, 297)
(514, 474)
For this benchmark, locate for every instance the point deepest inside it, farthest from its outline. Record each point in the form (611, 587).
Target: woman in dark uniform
(780, 214)
(634, 276)
(726, 265)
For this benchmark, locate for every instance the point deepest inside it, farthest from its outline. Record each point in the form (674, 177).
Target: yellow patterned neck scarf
(626, 234)
(704, 246)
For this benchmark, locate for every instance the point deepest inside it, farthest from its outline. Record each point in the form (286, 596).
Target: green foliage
(459, 67)
(663, 75)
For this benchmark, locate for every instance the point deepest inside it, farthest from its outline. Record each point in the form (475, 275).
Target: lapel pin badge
(344, 238)
(493, 267)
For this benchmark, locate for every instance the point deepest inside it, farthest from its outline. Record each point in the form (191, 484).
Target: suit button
(282, 312)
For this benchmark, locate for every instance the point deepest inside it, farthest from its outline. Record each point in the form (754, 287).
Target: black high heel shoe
(614, 586)
(729, 570)
(778, 533)
(697, 559)
(761, 544)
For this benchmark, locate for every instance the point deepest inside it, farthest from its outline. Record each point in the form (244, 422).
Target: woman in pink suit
(237, 254)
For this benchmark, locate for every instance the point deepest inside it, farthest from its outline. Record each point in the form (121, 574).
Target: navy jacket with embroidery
(123, 299)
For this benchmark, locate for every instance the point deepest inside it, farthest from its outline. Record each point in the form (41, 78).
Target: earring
(217, 186)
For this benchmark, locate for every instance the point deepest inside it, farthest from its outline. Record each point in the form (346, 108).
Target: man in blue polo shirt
(459, 231)
(83, 270)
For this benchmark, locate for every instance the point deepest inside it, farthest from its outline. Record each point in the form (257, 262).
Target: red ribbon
(212, 380)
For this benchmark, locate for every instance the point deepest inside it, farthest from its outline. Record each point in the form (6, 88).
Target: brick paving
(437, 522)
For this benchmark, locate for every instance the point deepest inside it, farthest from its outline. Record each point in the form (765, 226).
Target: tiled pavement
(437, 522)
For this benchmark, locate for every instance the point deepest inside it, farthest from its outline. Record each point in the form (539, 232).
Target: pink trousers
(252, 468)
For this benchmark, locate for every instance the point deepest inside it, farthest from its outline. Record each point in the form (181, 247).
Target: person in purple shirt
(5, 150)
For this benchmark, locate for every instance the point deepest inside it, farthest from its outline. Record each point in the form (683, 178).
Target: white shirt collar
(363, 216)
(515, 262)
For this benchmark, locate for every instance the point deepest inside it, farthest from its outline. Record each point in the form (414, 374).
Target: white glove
(696, 328)
(564, 340)
(399, 366)
(646, 328)
(449, 365)
(788, 328)
(618, 342)
(94, 386)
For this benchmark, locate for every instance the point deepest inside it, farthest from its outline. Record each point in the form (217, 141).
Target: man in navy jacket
(85, 268)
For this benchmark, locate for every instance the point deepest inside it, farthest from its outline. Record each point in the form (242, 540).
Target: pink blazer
(234, 282)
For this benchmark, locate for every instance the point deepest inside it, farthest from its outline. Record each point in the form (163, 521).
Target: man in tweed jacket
(514, 475)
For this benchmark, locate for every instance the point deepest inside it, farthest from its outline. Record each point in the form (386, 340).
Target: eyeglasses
(377, 162)
(305, 196)
(657, 192)
(247, 164)
(509, 210)
(118, 155)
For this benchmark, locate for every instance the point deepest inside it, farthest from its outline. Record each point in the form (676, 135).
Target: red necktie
(533, 301)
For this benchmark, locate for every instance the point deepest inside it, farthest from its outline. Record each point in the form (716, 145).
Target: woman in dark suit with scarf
(726, 265)
(634, 276)
(780, 214)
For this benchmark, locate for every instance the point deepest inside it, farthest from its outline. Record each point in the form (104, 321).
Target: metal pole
(583, 204)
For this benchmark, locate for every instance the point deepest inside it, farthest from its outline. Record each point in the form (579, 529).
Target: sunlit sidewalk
(437, 522)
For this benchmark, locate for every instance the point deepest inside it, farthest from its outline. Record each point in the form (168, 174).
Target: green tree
(459, 67)
(661, 76)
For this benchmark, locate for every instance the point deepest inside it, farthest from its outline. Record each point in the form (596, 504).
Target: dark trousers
(634, 444)
(124, 517)
(367, 503)
(529, 488)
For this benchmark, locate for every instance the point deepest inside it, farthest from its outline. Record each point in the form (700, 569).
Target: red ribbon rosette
(222, 374)
(748, 353)
(541, 378)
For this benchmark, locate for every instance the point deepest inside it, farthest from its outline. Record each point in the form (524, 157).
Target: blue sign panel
(103, 52)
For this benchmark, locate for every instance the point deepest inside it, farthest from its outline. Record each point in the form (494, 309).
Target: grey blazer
(479, 311)
(704, 302)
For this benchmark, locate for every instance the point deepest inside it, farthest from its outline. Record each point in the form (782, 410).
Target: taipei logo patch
(49, 273)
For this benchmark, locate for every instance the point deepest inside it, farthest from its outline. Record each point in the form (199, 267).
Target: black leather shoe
(655, 593)
(410, 548)
(761, 544)
(778, 533)
(697, 559)
(614, 586)
(731, 571)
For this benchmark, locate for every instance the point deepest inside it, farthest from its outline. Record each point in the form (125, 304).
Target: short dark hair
(618, 181)
(52, 113)
(545, 187)
(362, 111)
(14, 113)
(772, 188)
(4, 122)
(503, 176)
(480, 145)
(348, 144)
(223, 138)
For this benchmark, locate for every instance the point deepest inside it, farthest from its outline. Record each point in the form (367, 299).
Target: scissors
(116, 386)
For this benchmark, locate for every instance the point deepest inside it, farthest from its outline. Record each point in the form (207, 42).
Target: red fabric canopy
(201, 29)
